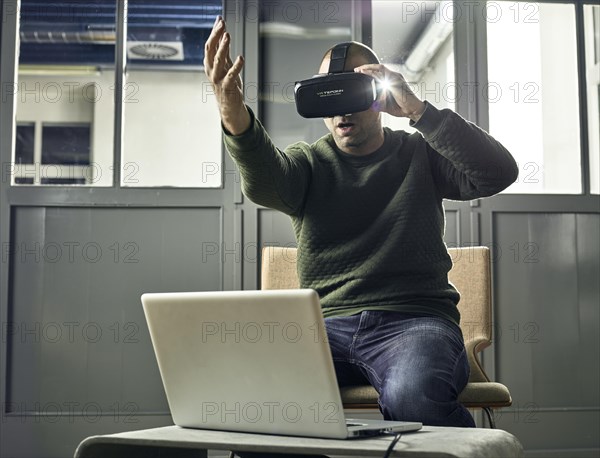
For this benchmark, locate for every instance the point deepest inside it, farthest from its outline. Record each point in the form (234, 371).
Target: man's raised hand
(225, 78)
(399, 99)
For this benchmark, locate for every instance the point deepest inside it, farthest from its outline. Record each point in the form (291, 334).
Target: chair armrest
(473, 347)
(485, 394)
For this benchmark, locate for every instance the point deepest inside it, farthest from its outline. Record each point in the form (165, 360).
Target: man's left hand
(397, 99)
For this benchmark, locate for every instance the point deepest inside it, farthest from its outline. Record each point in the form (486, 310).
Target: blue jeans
(417, 364)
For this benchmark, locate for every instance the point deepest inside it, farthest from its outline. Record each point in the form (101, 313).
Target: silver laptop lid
(254, 361)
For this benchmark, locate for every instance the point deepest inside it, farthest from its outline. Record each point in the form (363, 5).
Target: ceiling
(83, 33)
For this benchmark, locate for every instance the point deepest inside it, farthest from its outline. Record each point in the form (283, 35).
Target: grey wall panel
(57, 436)
(558, 434)
(275, 228)
(547, 321)
(588, 288)
(452, 230)
(555, 308)
(78, 337)
(513, 296)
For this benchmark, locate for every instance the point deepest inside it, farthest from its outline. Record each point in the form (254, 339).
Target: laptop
(251, 361)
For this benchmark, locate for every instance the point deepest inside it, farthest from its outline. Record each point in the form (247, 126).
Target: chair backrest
(470, 274)
(278, 268)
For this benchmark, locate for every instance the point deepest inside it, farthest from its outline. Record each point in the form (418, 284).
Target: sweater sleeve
(270, 177)
(466, 162)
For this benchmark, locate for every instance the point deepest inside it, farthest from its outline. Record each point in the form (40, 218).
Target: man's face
(360, 133)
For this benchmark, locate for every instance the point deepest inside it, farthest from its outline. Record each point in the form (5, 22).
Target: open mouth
(345, 127)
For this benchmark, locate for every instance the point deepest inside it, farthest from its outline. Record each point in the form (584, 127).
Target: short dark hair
(356, 49)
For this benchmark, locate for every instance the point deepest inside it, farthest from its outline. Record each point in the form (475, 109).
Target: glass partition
(416, 39)
(293, 38)
(591, 17)
(66, 87)
(533, 93)
(172, 130)
(65, 93)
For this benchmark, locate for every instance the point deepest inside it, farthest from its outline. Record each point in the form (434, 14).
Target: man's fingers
(372, 69)
(212, 43)
(215, 34)
(236, 68)
(222, 55)
(221, 70)
(231, 80)
(380, 71)
(229, 61)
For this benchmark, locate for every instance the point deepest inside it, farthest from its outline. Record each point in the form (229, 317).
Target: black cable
(395, 440)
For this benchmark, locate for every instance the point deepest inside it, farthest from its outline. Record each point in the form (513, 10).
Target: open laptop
(251, 361)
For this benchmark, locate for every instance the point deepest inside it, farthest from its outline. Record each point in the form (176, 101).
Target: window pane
(591, 19)
(63, 181)
(66, 144)
(66, 76)
(24, 144)
(172, 130)
(293, 38)
(421, 49)
(20, 180)
(533, 93)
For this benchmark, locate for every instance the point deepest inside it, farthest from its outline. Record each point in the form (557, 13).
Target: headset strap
(338, 57)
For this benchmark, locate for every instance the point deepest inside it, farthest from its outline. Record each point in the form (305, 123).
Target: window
(24, 152)
(66, 90)
(421, 49)
(592, 57)
(172, 129)
(66, 144)
(293, 38)
(60, 154)
(24, 148)
(532, 93)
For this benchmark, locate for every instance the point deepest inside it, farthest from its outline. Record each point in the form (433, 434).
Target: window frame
(122, 170)
(475, 37)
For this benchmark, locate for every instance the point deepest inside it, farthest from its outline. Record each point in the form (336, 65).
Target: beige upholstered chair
(471, 276)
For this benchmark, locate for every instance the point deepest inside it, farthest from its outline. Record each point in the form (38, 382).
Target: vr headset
(337, 92)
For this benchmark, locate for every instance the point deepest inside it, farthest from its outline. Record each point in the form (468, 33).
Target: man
(366, 206)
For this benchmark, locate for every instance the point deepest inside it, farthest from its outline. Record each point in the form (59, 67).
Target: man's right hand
(225, 78)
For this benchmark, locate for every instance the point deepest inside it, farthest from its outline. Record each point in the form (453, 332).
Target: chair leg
(490, 416)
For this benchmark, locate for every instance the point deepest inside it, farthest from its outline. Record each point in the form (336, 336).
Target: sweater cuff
(246, 141)
(430, 121)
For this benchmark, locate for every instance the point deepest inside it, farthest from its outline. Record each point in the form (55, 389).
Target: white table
(176, 442)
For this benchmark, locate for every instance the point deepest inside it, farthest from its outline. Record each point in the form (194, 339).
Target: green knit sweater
(370, 228)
